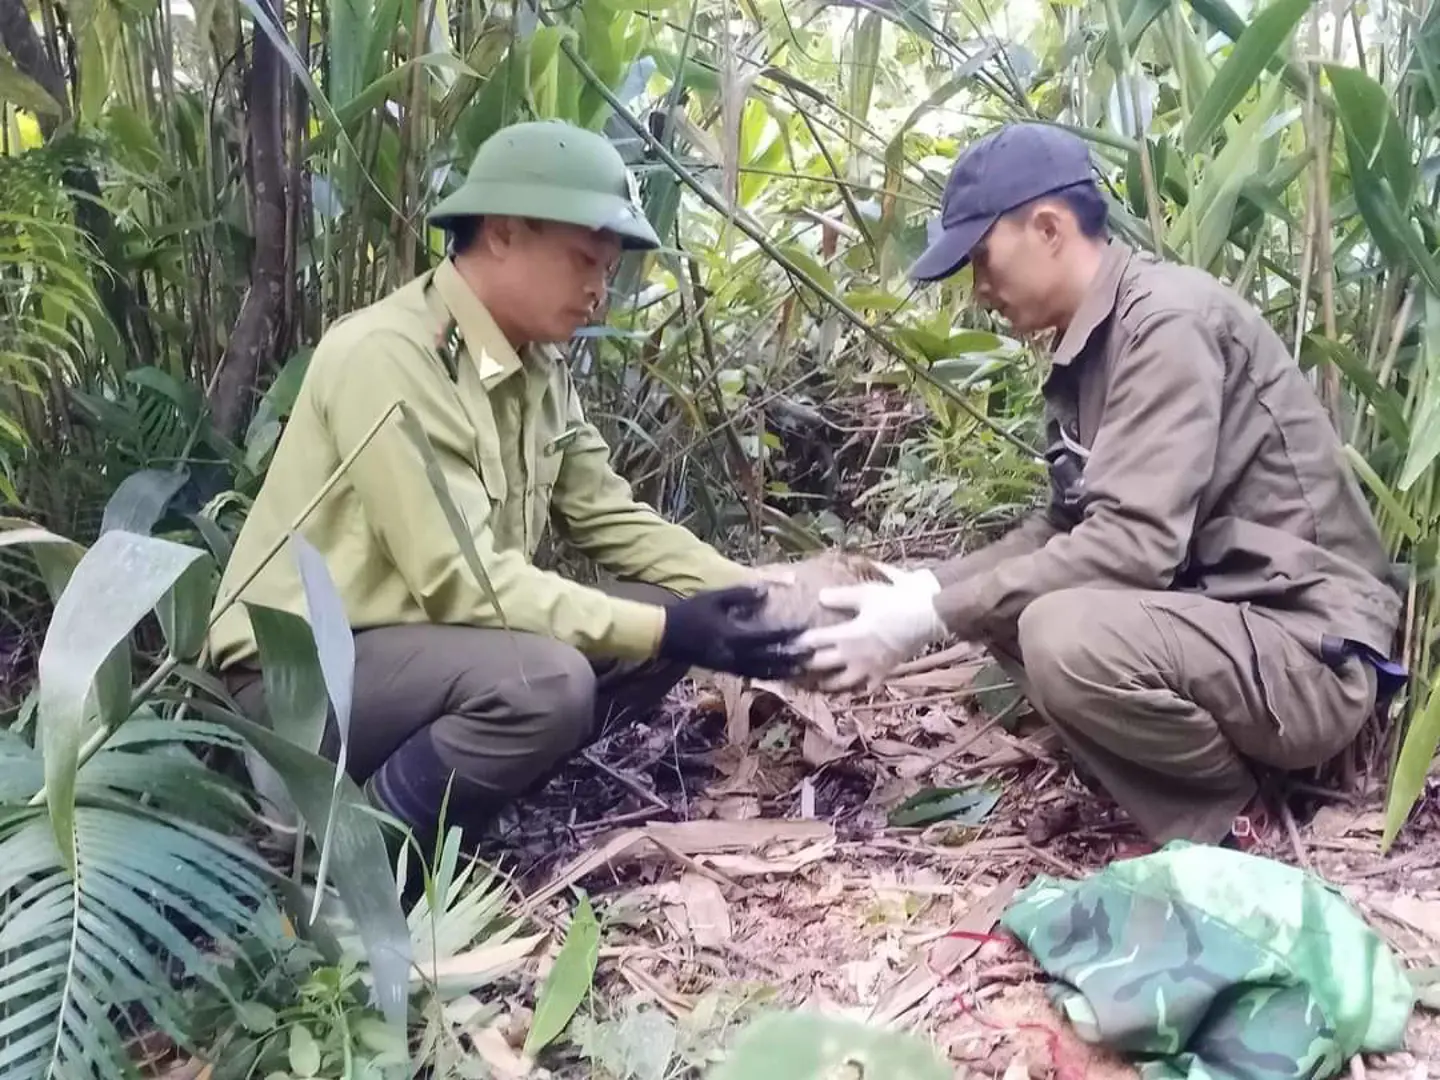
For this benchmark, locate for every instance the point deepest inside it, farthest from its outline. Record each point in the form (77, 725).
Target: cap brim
(592, 210)
(949, 249)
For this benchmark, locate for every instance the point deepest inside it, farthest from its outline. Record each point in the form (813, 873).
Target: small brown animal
(792, 596)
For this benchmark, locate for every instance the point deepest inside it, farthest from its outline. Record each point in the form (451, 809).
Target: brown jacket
(1187, 452)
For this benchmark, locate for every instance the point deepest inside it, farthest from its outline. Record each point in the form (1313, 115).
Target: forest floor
(742, 852)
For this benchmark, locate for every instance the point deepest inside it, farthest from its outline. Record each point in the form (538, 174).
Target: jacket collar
(495, 359)
(1098, 304)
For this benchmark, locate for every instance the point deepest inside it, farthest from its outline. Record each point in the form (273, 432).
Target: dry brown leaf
(482, 965)
(823, 741)
(737, 866)
(691, 838)
(737, 698)
(1422, 915)
(706, 910)
(946, 955)
(1333, 822)
(492, 1046)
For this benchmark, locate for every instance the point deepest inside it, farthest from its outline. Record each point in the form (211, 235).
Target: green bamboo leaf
(569, 980)
(1383, 495)
(295, 696)
(1388, 405)
(1376, 143)
(968, 805)
(1422, 737)
(55, 555)
(184, 611)
(140, 500)
(115, 585)
(1262, 42)
(1426, 445)
(335, 652)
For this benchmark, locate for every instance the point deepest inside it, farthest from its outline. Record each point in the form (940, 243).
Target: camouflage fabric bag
(1208, 963)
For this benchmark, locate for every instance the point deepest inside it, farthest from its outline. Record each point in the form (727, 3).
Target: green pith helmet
(551, 171)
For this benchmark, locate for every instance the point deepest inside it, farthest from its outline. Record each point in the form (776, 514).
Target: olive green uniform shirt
(517, 453)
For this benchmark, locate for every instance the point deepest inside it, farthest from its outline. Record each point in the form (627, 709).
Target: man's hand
(708, 630)
(892, 623)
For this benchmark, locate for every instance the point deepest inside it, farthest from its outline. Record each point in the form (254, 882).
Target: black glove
(709, 630)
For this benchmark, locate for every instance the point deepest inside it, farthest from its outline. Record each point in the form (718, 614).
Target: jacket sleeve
(595, 510)
(1151, 458)
(407, 521)
(1029, 536)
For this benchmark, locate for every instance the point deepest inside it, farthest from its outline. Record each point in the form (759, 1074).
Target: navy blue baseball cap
(1005, 169)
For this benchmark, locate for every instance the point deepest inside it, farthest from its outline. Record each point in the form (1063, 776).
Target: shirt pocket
(549, 460)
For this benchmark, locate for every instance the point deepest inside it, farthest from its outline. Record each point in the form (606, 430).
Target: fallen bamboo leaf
(738, 866)
(692, 838)
(969, 805)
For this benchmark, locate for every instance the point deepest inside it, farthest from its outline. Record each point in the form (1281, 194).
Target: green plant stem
(763, 242)
(91, 746)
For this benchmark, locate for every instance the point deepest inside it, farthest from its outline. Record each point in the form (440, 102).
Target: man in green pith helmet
(449, 692)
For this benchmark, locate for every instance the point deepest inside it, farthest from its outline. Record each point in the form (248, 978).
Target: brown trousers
(504, 709)
(1173, 700)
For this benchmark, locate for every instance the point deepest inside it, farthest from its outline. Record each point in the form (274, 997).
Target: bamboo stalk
(659, 150)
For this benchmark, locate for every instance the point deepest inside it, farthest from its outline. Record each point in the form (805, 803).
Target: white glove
(892, 623)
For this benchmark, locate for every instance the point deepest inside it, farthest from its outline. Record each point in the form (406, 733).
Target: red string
(1065, 1069)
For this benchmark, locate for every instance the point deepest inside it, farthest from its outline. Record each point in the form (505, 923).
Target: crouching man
(449, 692)
(1205, 591)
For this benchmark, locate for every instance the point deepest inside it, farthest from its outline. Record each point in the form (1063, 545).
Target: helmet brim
(588, 209)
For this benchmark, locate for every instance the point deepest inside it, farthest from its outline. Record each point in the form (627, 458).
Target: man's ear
(500, 233)
(1048, 219)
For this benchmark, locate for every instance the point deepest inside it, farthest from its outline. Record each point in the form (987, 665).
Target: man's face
(556, 276)
(1018, 271)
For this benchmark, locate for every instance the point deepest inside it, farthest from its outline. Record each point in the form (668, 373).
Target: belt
(1389, 676)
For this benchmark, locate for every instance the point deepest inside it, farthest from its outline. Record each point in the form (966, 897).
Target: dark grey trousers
(502, 710)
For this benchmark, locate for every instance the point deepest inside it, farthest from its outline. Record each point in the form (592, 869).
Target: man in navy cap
(1204, 594)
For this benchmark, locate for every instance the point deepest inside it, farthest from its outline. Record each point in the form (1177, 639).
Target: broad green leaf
(335, 651)
(295, 696)
(184, 611)
(1425, 445)
(1375, 141)
(1261, 43)
(569, 980)
(359, 860)
(807, 262)
(803, 1046)
(21, 90)
(141, 499)
(274, 407)
(55, 555)
(304, 1054)
(1422, 737)
(117, 583)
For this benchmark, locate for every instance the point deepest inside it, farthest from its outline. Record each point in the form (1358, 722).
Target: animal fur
(792, 596)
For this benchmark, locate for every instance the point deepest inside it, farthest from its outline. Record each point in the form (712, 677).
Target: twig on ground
(955, 654)
(926, 699)
(1416, 860)
(632, 818)
(1070, 870)
(1301, 855)
(960, 747)
(626, 780)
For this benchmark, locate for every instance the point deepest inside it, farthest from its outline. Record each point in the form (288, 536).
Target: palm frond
(154, 900)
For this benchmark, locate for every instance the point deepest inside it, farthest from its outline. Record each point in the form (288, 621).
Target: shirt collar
(495, 359)
(1097, 305)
